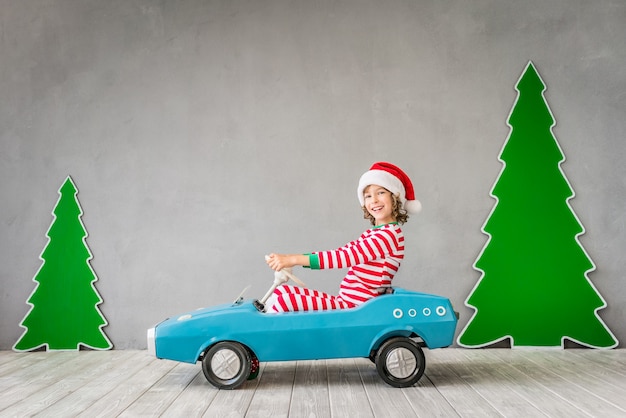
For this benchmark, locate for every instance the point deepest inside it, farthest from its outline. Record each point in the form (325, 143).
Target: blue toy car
(231, 339)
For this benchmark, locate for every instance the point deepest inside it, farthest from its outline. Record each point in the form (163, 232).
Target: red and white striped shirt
(372, 261)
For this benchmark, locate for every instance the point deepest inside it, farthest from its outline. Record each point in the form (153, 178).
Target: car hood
(203, 313)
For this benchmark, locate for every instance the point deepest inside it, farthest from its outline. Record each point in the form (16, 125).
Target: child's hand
(277, 262)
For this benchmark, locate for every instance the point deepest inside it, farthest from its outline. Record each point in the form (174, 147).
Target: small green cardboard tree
(64, 312)
(534, 288)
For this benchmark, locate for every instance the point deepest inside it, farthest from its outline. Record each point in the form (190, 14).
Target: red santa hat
(393, 179)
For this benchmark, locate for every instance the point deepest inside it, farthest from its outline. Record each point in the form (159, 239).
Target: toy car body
(389, 329)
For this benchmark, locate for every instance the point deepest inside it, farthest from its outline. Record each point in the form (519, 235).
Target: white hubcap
(401, 363)
(225, 364)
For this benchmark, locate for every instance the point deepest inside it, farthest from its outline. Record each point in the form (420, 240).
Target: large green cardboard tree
(534, 288)
(64, 312)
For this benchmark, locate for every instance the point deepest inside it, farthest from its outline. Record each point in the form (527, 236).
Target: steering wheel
(291, 276)
(280, 277)
(286, 273)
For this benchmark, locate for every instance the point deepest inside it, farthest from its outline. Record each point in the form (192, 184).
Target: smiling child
(387, 198)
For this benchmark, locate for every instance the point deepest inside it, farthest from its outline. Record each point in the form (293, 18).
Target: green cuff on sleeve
(314, 261)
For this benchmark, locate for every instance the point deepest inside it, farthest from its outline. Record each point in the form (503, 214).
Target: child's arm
(280, 261)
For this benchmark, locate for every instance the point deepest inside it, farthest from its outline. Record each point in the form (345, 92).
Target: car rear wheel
(400, 362)
(226, 365)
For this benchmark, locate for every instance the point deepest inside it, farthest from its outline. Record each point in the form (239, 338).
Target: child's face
(379, 203)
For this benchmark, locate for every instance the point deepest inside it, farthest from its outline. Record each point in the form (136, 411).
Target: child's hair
(398, 212)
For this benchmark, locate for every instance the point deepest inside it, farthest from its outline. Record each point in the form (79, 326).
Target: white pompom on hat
(393, 179)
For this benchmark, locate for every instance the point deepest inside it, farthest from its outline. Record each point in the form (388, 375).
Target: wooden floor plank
(614, 360)
(605, 386)
(92, 384)
(273, 394)
(5, 355)
(18, 361)
(310, 390)
(131, 386)
(384, 400)
(427, 401)
(232, 403)
(457, 382)
(54, 385)
(504, 388)
(160, 395)
(21, 381)
(24, 383)
(500, 393)
(502, 364)
(25, 367)
(454, 388)
(9, 360)
(194, 400)
(585, 402)
(347, 395)
(424, 397)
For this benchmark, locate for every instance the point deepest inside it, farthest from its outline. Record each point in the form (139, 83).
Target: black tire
(400, 362)
(226, 365)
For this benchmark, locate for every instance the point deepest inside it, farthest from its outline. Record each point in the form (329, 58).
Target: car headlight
(151, 342)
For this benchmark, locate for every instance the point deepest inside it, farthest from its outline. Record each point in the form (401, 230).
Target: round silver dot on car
(441, 311)
(426, 311)
(412, 313)
(397, 313)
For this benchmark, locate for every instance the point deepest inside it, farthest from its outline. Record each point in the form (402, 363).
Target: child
(387, 197)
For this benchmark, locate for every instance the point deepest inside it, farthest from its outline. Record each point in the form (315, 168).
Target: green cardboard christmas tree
(64, 312)
(534, 288)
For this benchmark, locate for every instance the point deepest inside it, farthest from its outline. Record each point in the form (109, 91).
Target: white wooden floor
(457, 382)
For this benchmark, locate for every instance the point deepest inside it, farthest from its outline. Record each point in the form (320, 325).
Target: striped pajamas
(372, 261)
(293, 298)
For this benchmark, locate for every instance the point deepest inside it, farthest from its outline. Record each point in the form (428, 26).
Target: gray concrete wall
(204, 134)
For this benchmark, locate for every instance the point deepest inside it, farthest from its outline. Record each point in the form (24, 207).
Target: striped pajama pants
(287, 298)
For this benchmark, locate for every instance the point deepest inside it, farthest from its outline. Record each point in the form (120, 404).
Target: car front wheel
(400, 362)
(226, 365)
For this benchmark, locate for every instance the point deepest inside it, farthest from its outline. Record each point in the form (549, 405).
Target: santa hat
(393, 179)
